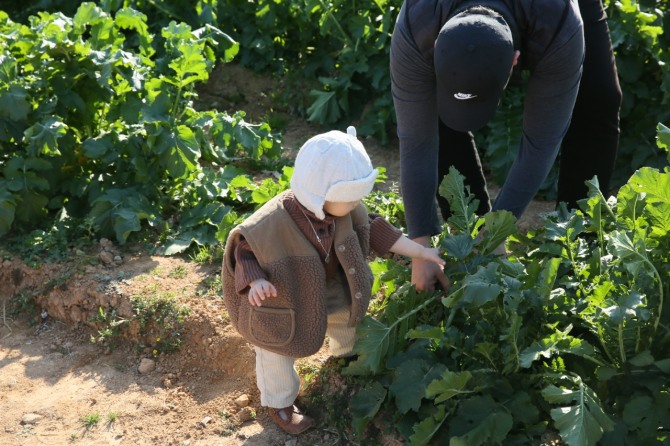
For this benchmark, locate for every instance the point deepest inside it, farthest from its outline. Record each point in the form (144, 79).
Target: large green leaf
(654, 184)
(409, 384)
(461, 203)
(476, 289)
(555, 344)
(43, 136)
(8, 69)
(625, 306)
(121, 212)
(655, 187)
(643, 414)
(480, 421)
(582, 423)
(227, 224)
(26, 174)
(179, 151)
(7, 210)
(14, 102)
(325, 108)
(372, 345)
(458, 246)
(498, 226)
(428, 427)
(86, 14)
(190, 67)
(543, 275)
(213, 34)
(366, 403)
(449, 385)
(128, 18)
(633, 255)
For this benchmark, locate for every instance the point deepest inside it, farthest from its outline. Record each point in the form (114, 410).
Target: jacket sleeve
(413, 88)
(247, 268)
(383, 234)
(550, 98)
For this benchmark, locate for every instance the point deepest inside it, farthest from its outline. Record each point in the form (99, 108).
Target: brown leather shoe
(291, 419)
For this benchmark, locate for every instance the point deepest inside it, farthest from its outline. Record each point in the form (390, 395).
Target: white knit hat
(332, 166)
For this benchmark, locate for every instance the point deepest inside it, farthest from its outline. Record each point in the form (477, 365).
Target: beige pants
(276, 376)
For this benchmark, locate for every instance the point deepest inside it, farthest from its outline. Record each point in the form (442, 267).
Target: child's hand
(259, 290)
(433, 255)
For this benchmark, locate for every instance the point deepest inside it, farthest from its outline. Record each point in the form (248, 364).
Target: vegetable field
(103, 135)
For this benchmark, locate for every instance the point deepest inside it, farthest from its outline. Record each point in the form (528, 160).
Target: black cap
(473, 59)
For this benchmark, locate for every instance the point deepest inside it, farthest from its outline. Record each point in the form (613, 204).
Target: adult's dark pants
(590, 146)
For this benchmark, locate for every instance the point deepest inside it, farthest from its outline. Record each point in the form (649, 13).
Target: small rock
(242, 401)
(106, 257)
(204, 421)
(31, 418)
(146, 365)
(245, 414)
(118, 260)
(291, 442)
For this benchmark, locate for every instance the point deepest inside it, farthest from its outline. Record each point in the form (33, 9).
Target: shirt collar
(292, 204)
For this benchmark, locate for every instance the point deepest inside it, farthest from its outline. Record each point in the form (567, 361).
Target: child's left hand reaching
(432, 255)
(260, 289)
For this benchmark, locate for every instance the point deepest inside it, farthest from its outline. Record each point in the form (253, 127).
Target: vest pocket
(272, 327)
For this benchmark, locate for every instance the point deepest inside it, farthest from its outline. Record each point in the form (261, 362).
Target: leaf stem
(329, 12)
(414, 310)
(660, 298)
(622, 350)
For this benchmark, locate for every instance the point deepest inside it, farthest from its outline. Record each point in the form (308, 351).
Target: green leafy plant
(569, 332)
(101, 126)
(90, 420)
(109, 325)
(160, 320)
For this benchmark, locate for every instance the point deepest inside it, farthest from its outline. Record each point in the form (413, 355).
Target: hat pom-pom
(351, 130)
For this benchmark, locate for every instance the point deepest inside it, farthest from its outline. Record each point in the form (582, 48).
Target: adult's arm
(413, 89)
(550, 98)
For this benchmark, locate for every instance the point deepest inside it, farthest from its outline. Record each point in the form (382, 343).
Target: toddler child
(296, 270)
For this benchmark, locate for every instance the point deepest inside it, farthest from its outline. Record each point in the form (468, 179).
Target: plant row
(569, 332)
(97, 126)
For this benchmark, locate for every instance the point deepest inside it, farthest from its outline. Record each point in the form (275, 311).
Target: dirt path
(58, 388)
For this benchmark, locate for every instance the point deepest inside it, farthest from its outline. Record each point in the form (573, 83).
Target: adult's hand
(427, 275)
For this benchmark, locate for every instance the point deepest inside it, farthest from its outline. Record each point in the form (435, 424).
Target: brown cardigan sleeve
(383, 234)
(247, 268)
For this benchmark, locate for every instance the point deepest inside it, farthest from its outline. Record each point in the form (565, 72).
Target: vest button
(341, 248)
(352, 271)
(358, 295)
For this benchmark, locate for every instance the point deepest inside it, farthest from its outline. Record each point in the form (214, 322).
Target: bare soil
(59, 388)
